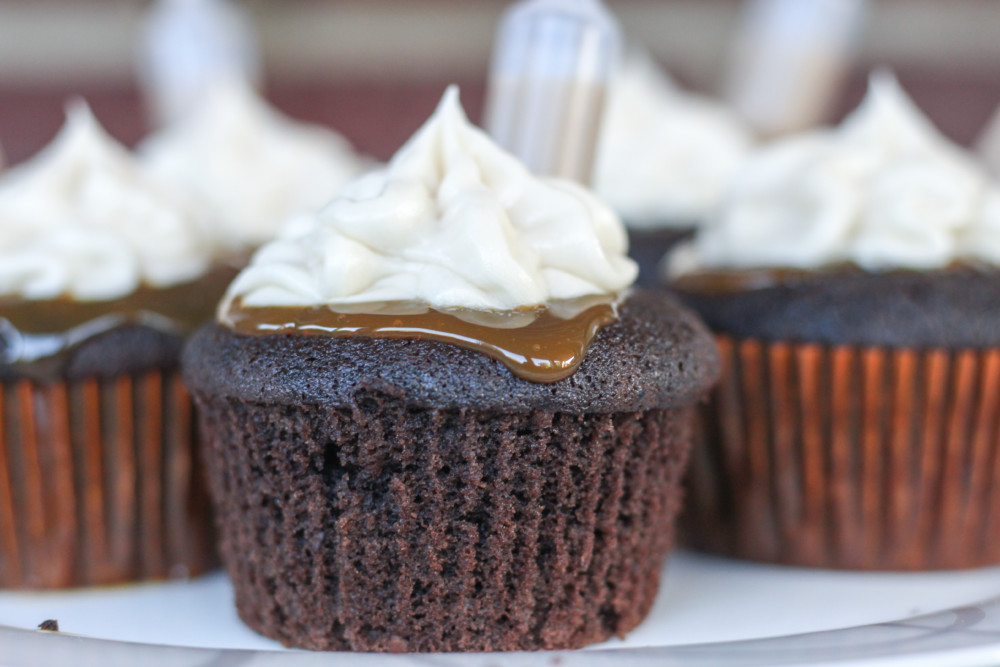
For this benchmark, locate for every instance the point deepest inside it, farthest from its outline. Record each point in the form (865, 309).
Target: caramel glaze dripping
(726, 281)
(37, 337)
(540, 345)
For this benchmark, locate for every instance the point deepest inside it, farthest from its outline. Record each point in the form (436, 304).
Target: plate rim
(951, 631)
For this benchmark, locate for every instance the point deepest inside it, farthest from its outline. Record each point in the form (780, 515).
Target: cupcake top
(884, 191)
(249, 167)
(452, 222)
(81, 220)
(665, 156)
(656, 354)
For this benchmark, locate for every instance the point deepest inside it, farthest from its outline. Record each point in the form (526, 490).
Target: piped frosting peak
(883, 191)
(82, 220)
(248, 167)
(452, 222)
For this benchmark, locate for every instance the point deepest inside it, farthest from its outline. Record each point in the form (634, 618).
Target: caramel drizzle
(726, 281)
(540, 345)
(747, 280)
(37, 337)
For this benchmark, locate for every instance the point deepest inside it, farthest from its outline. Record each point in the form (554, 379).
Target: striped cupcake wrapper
(870, 458)
(100, 483)
(382, 527)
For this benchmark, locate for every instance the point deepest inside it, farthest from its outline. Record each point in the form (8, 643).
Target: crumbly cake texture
(955, 308)
(355, 513)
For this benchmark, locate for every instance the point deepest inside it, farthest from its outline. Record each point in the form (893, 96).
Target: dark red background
(378, 117)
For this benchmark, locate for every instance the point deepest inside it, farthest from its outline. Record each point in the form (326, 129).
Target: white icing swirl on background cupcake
(665, 156)
(81, 220)
(883, 191)
(451, 222)
(249, 167)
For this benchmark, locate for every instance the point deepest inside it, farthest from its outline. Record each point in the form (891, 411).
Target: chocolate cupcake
(854, 287)
(100, 274)
(435, 418)
(247, 167)
(665, 159)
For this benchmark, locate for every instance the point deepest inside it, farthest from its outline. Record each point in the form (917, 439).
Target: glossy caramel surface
(728, 281)
(40, 333)
(540, 345)
(724, 281)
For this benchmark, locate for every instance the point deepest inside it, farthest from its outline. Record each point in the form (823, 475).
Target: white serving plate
(710, 611)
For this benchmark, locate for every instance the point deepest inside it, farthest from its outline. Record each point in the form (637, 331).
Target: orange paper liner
(850, 457)
(100, 483)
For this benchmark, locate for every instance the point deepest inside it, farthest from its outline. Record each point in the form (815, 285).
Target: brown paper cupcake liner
(100, 483)
(387, 528)
(850, 457)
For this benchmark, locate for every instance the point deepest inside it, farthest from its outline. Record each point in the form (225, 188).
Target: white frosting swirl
(81, 220)
(665, 157)
(452, 222)
(249, 167)
(884, 191)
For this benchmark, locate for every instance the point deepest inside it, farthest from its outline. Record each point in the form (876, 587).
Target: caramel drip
(537, 345)
(726, 281)
(747, 280)
(36, 337)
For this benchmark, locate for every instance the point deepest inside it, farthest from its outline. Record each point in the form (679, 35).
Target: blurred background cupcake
(852, 279)
(665, 158)
(247, 167)
(101, 275)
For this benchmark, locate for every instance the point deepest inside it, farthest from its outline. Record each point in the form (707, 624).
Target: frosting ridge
(884, 191)
(248, 166)
(452, 222)
(82, 220)
(665, 156)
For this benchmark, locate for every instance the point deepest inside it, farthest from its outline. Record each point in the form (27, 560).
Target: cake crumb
(50, 625)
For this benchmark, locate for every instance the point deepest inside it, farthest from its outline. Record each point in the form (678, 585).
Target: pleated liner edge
(100, 483)
(849, 457)
(379, 527)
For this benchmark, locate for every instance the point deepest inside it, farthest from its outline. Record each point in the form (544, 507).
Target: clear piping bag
(551, 65)
(987, 145)
(188, 47)
(789, 60)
